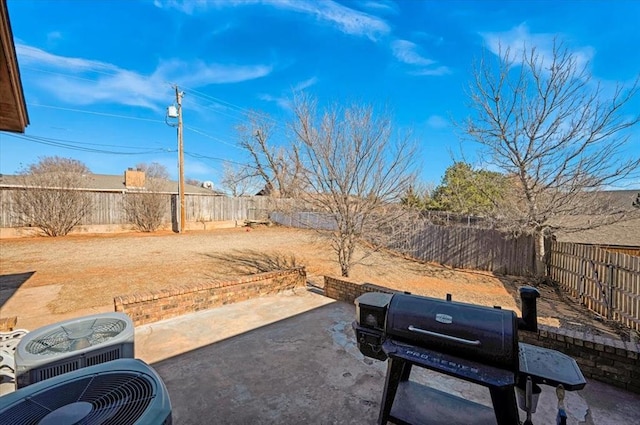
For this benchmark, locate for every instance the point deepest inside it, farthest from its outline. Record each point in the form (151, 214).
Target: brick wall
(346, 290)
(614, 362)
(174, 301)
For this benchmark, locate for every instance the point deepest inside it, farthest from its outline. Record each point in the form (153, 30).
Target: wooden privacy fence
(456, 246)
(467, 247)
(605, 282)
(108, 208)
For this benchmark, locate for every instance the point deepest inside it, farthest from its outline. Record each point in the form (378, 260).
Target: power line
(213, 158)
(217, 139)
(52, 139)
(76, 146)
(45, 71)
(221, 102)
(220, 112)
(243, 110)
(86, 111)
(242, 148)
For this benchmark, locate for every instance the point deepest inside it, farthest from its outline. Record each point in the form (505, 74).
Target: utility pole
(183, 214)
(175, 111)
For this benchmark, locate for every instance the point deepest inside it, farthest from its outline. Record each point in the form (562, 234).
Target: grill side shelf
(550, 367)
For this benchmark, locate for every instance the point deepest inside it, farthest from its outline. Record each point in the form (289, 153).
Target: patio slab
(292, 358)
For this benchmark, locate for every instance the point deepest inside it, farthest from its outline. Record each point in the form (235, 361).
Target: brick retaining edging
(152, 306)
(608, 360)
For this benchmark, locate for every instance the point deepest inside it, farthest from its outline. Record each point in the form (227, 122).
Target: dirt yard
(44, 280)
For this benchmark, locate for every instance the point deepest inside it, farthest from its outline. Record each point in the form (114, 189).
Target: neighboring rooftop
(625, 232)
(114, 183)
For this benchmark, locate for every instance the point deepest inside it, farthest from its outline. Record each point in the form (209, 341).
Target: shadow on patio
(10, 283)
(304, 368)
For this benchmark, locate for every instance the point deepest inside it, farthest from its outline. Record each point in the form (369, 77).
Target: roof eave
(10, 58)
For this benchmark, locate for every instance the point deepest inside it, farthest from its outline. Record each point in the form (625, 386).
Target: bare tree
(555, 133)
(51, 199)
(239, 180)
(356, 171)
(193, 182)
(279, 167)
(146, 206)
(154, 170)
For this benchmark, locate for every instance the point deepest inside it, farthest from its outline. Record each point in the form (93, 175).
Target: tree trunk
(541, 263)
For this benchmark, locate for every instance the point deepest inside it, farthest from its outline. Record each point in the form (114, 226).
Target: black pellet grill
(474, 343)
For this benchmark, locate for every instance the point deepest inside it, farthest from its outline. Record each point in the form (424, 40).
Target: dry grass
(81, 272)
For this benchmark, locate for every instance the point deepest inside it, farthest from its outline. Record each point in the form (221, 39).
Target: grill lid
(465, 330)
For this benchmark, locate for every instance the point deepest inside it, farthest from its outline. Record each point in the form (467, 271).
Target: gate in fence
(607, 283)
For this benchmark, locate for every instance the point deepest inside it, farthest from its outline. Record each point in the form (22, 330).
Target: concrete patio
(292, 358)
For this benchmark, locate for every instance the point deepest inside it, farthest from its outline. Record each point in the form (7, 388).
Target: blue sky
(97, 75)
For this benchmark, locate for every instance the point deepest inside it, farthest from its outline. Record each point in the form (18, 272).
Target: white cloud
(432, 72)
(387, 6)
(284, 100)
(305, 84)
(438, 122)
(409, 53)
(184, 6)
(519, 38)
(347, 20)
(198, 73)
(33, 56)
(85, 81)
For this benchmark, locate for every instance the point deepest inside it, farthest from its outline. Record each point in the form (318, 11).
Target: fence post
(583, 278)
(610, 284)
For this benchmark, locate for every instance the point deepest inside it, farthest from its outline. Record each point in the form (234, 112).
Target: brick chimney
(134, 178)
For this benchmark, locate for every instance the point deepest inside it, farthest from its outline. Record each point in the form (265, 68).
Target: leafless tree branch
(547, 125)
(50, 199)
(356, 171)
(279, 167)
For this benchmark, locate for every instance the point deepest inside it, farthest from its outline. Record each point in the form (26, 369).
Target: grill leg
(395, 368)
(505, 406)
(406, 371)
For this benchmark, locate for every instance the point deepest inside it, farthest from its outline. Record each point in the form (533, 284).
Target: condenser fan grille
(117, 398)
(77, 336)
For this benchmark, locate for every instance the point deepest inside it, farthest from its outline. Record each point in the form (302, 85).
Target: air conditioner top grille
(118, 398)
(75, 336)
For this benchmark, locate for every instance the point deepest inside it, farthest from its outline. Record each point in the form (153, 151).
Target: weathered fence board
(604, 281)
